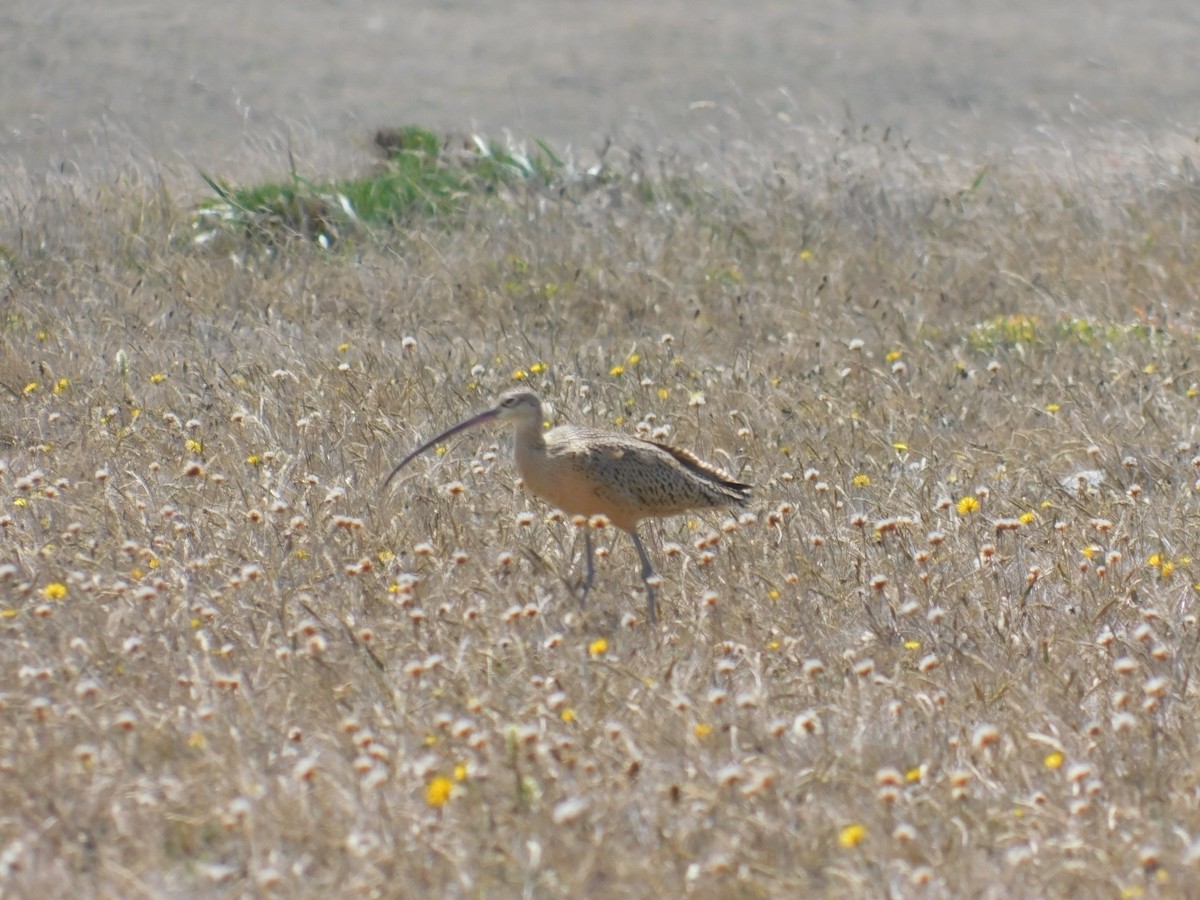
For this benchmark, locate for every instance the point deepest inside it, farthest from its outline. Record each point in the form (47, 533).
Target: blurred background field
(227, 84)
(950, 649)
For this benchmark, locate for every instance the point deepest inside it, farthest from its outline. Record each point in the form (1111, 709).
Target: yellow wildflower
(538, 368)
(519, 375)
(568, 715)
(158, 378)
(618, 369)
(61, 385)
(967, 505)
(598, 647)
(701, 730)
(55, 590)
(438, 791)
(1053, 760)
(862, 480)
(852, 835)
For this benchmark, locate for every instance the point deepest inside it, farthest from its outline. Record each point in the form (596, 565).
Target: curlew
(589, 472)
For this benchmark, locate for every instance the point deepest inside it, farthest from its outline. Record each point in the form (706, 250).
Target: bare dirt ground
(211, 84)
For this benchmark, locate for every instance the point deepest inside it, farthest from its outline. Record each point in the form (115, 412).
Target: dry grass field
(950, 650)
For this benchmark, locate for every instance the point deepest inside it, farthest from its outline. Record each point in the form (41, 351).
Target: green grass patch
(423, 176)
(1006, 332)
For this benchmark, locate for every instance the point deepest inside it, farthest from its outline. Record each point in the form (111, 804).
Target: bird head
(520, 408)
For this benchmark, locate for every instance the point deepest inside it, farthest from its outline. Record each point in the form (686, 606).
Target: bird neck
(529, 434)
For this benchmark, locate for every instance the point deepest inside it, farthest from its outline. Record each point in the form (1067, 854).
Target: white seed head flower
(570, 810)
(983, 736)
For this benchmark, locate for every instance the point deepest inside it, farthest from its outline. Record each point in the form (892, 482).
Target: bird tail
(726, 488)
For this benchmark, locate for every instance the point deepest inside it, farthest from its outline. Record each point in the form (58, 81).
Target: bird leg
(589, 567)
(647, 573)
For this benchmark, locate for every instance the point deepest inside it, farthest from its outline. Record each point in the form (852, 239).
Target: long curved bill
(486, 416)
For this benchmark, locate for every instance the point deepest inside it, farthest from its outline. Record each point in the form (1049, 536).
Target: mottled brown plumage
(589, 472)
